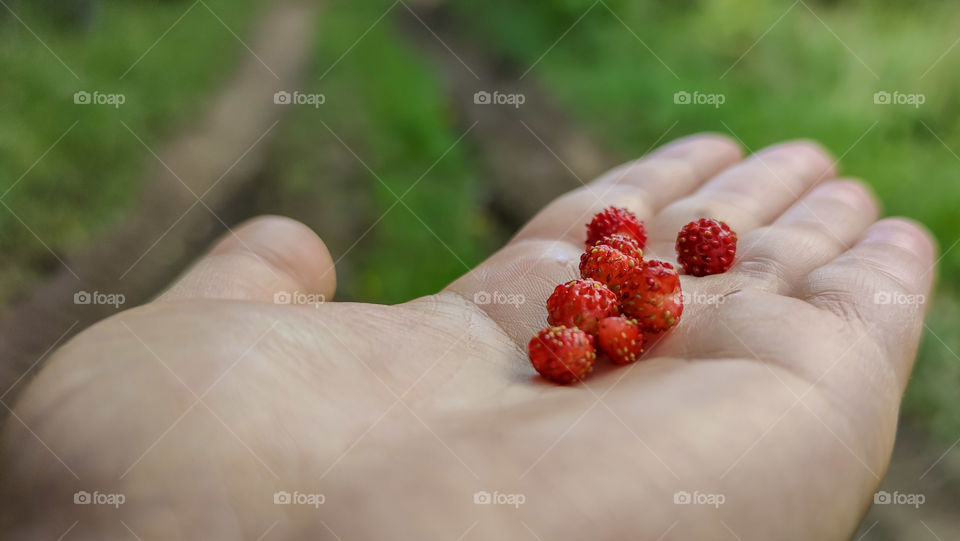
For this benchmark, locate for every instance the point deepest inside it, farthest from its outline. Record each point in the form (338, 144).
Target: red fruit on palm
(621, 338)
(581, 304)
(651, 294)
(609, 265)
(562, 354)
(613, 221)
(706, 247)
(626, 245)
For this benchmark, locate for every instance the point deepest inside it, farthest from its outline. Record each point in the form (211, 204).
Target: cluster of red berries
(621, 301)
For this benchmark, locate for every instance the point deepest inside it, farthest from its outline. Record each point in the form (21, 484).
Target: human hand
(778, 392)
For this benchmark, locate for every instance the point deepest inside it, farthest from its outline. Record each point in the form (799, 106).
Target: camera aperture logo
(283, 497)
(482, 97)
(897, 298)
(896, 97)
(296, 97)
(682, 97)
(499, 498)
(82, 97)
(299, 297)
(82, 497)
(898, 498)
(699, 498)
(96, 297)
(497, 297)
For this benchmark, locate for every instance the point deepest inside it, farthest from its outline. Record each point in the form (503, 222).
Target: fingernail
(903, 233)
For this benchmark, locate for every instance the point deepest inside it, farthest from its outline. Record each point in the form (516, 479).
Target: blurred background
(134, 132)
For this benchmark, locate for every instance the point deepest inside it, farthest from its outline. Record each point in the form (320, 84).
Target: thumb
(263, 257)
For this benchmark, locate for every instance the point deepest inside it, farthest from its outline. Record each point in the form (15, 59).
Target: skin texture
(778, 390)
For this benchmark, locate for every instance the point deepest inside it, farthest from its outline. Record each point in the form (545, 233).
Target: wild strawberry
(606, 265)
(581, 303)
(624, 244)
(706, 247)
(651, 294)
(621, 338)
(613, 220)
(562, 354)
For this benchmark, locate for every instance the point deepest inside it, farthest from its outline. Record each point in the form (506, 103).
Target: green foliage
(385, 103)
(95, 170)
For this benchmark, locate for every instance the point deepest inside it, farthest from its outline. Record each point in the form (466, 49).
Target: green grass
(95, 171)
(386, 104)
(799, 80)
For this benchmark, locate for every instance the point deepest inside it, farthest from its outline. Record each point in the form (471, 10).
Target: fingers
(749, 195)
(513, 283)
(812, 232)
(881, 286)
(261, 258)
(643, 186)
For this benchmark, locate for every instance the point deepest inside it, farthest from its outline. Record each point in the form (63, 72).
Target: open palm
(771, 408)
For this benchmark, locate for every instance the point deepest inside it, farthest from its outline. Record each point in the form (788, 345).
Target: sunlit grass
(96, 169)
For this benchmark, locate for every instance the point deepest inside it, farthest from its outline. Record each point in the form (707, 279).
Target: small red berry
(706, 247)
(562, 354)
(651, 294)
(582, 304)
(607, 265)
(624, 244)
(621, 338)
(613, 220)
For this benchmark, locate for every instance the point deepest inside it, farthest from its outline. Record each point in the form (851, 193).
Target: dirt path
(530, 153)
(216, 159)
